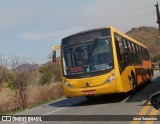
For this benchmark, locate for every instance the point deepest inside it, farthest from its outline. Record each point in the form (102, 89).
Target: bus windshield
(91, 56)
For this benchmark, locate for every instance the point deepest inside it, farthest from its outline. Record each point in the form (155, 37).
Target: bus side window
(140, 55)
(134, 53)
(130, 51)
(137, 54)
(148, 55)
(120, 51)
(144, 50)
(126, 55)
(145, 54)
(121, 48)
(125, 45)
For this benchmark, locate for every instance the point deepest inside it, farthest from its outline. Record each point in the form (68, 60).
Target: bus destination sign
(82, 37)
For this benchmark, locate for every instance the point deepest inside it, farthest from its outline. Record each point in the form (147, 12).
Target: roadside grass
(36, 96)
(28, 107)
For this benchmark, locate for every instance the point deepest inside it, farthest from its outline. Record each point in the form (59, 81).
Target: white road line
(54, 111)
(48, 113)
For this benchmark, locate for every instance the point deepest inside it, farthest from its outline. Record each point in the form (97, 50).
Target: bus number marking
(76, 69)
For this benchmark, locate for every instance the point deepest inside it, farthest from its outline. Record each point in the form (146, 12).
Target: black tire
(90, 98)
(150, 73)
(149, 81)
(133, 84)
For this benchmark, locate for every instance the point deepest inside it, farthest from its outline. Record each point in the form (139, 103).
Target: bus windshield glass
(92, 56)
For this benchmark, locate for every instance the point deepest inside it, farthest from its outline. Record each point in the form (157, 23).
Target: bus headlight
(67, 84)
(111, 78)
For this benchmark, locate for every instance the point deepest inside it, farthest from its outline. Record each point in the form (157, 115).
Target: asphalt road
(120, 106)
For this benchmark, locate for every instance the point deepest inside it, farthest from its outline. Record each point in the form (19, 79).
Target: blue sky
(29, 28)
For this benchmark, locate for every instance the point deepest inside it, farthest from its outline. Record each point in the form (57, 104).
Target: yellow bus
(102, 61)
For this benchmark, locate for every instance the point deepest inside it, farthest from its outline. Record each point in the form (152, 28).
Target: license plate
(89, 92)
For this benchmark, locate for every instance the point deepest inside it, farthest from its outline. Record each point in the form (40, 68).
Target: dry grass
(40, 93)
(9, 99)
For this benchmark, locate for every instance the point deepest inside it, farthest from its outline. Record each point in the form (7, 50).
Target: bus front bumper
(90, 91)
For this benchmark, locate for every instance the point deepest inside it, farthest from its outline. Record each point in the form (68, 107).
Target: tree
(16, 77)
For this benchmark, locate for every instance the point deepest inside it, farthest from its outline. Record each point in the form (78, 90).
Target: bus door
(124, 61)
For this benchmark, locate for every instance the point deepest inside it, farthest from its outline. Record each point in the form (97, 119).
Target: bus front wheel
(133, 84)
(90, 98)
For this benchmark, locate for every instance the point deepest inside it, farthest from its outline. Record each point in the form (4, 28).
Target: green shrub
(48, 71)
(43, 69)
(46, 78)
(11, 86)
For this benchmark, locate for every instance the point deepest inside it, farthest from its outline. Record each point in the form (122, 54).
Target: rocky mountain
(27, 67)
(150, 36)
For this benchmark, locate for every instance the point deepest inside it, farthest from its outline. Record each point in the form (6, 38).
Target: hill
(149, 36)
(50, 72)
(27, 67)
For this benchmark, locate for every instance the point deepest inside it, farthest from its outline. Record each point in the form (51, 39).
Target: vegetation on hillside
(23, 84)
(50, 72)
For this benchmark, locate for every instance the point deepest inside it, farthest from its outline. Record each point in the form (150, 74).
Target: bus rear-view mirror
(155, 100)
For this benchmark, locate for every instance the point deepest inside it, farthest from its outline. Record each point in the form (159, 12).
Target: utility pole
(158, 15)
